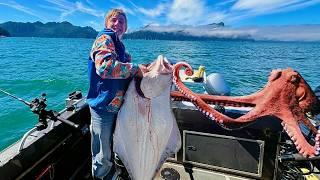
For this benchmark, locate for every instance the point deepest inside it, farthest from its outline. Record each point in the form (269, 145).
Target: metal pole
(25, 102)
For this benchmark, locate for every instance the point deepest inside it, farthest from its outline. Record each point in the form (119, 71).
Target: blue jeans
(101, 129)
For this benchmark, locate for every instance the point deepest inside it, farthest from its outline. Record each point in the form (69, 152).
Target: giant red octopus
(286, 96)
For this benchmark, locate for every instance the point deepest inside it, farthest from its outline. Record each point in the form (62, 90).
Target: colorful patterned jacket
(109, 72)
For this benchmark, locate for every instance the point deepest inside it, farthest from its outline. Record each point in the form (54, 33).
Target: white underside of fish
(146, 131)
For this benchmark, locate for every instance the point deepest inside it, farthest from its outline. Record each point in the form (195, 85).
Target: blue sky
(234, 13)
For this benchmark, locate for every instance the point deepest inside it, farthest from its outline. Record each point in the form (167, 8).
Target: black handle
(191, 148)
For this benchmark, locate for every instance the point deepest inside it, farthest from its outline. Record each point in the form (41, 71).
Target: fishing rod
(19, 99)
(38, 106)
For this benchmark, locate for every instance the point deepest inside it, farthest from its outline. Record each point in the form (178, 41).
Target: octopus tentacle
(272, 100)
(292, 128)
(199, 103)
(230, 101)
(304, 148)
(214, 100)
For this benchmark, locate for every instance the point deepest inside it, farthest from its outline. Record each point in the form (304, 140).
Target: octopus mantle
(286, 96)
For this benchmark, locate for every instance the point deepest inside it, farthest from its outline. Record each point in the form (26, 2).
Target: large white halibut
(146, 131)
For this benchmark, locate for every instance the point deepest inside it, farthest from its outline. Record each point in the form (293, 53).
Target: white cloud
(15, 5)
(159, 10)
(148, 16)
(63, 5)
(202, 31)
(306, 33)
(90, 3)
(123, 7)
(225, 2)
(261, 5)
(82, 8)
(249, 8)
(67, 8)
(301, 5)
(194, 12)
(186, 11)
(65, 14)
(96, 25)
(214, 17)
(288, 33)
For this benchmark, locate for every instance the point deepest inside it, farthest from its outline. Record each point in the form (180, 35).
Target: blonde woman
(110, 71)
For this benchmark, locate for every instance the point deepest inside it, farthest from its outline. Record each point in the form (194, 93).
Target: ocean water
(32, 66)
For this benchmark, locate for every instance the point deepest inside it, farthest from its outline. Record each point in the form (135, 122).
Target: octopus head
(306, 99)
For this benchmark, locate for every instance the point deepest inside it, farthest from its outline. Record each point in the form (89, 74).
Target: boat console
(212, 151)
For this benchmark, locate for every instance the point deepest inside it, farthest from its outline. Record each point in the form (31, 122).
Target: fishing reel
(38, 106)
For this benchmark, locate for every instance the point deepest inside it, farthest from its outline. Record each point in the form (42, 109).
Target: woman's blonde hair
(116, 12)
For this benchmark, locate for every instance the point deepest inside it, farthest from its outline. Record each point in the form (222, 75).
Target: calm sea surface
(31, 66)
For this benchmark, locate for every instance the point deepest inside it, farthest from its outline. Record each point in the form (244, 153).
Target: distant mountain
(4, 33)
(213, 31)
(50, 29)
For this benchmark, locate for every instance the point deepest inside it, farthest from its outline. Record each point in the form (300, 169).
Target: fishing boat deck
(66, 151)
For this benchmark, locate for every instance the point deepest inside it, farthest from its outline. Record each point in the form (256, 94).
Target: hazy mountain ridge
(4, 33)
(213, 31)
(218, 31)
(50, 29)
